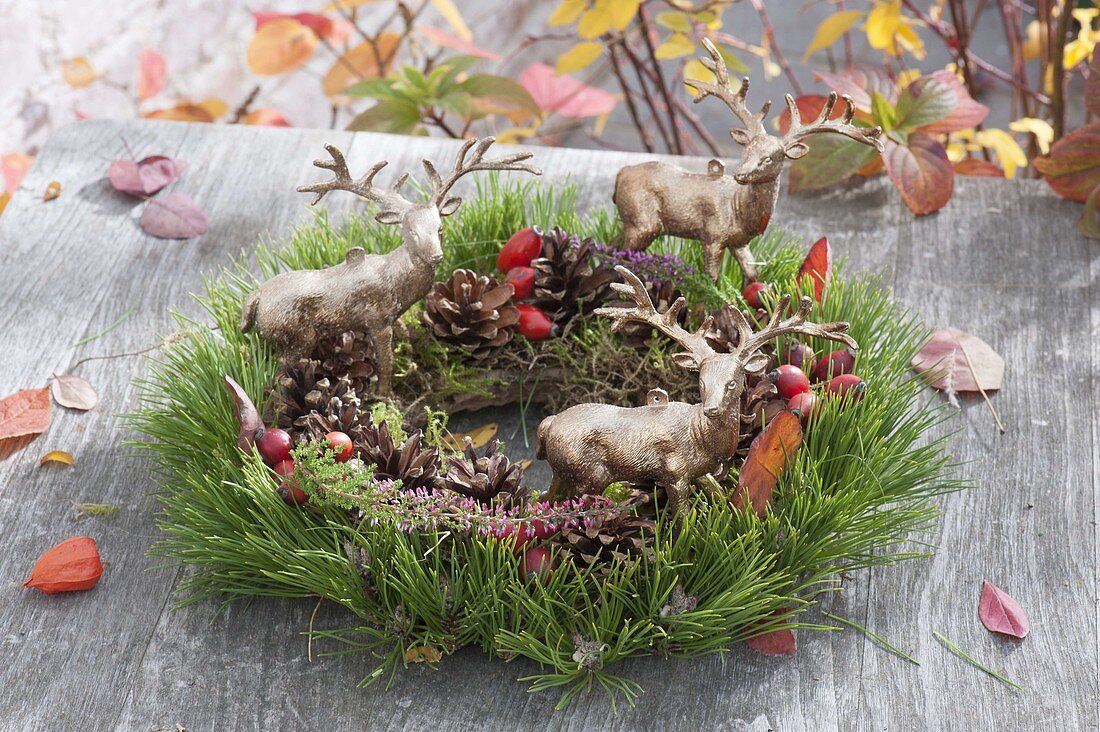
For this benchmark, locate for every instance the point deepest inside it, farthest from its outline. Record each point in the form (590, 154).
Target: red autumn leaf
(1072, 167)
(979, 167)
(450, 40)
(152, 74)
(266, 117)
(859, 83)
(921, 172)
(809, 107)
(24, 413)
(146, 176)
(770, 454)
(14, 166)
(73, 392)
(952, 358)
(817, 267)
(248, 417)
(963, 112)
(72, 565)
(776, 643)
(1000, 612)
(563, 95)
(173, 216)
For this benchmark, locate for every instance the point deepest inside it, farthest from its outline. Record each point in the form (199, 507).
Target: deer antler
(645, 312)
(387, 200)
(754, 123)
(843, 126)
(441, 186)
(749, 341)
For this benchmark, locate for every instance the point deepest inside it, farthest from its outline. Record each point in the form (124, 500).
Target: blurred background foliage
(1001, 88)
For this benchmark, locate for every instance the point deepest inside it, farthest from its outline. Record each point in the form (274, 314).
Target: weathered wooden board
(1002, 261)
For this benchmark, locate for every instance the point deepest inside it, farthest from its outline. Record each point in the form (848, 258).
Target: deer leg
(557, 490)
(748, 264)
(678, 493)
(712, 260)
(383, 345)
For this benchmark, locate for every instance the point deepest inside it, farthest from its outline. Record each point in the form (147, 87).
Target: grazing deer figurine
(671, 444)
(293, 311)
(724, 211)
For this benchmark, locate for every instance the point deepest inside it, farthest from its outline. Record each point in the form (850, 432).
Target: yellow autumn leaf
(361, 64)
(1004, 146)
(53, 190)
(1032, 42)
(675, 46)
(456, 441)
(908, 39)
(423, 654)
(832, 29)
(623, 11)
(4, 198)
(694, 69)
(515, 135)
(1040, 128)
(182, 112)
(567, 12)
(674, 21)
(78, 72)
(882, 25)
(346, 5)
(526, 463)
(1075, 52)
(907, 77)
(579, 57)
(450, 13)
(56, 456)
(607, 15)
(216, 107)
(280, 46)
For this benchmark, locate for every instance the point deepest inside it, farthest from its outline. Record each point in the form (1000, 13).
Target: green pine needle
(974, 662)
(873, 636)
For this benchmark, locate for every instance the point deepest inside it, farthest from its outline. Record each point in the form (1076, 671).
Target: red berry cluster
(275, 446)
(833, 374)
(514, 260)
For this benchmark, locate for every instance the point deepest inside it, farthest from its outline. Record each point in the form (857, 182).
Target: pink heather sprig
(423, 509)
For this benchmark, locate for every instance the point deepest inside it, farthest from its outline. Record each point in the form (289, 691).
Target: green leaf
(733, 63)
(398, 117)
(509, 97)
(921, 172)
(832, 158)
(883, 112)
(372, 89)
(925, 101)
(1089, 223)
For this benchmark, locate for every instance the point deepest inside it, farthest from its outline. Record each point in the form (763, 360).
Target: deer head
(421, 223)
(764, 155)
(721, 375)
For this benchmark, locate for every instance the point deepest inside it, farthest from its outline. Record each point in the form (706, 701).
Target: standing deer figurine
(295, 310)
(719, 210)
(671, 444)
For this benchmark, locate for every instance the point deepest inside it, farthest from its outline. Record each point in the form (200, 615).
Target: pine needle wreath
(859, 491)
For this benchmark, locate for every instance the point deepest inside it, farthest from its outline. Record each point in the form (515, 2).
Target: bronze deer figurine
(293, 311)
(667, 443)
(719, 210)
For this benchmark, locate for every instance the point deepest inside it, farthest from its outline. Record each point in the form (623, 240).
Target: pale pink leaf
(248, 417)
(966, 114)
(775, 643)
(564, 95)
(450, 40)
(152, 74)
(859, 83)
(13, 167)
(173, 216)
(73, 392)
(146, 176)
(1000, 612)
(943, 361)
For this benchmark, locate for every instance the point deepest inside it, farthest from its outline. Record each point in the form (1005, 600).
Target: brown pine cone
(310, 405)
(413, 464)
(472, 312)
(488, 477)
(568, 281)
(349, 355)
(623, 537)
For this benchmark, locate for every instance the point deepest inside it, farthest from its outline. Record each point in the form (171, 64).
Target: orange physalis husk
(72, 565)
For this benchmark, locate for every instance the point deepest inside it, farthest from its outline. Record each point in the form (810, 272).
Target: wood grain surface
(1003, 261)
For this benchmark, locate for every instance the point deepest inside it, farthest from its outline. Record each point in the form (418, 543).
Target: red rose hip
(848, 386)
(536, 563)
(274, 445)
(289, 490)
(799, 354)
(790, 380)
(534, 324)
(803, 403)
(752, 293)
(522, 280)
(835, 364)
(520, 249)
(341, 444)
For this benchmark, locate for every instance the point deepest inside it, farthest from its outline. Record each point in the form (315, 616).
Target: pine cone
(489, 477)
(623, 537)
(759, 404)
(475, 313)
(413, 464)
(568, 282)
(310, 405)
(350, 355)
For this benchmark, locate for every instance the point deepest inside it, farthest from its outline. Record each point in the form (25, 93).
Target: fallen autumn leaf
(73, 392)
(1000, 613)
(173, 216)
(25, 412)
(146, 176)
